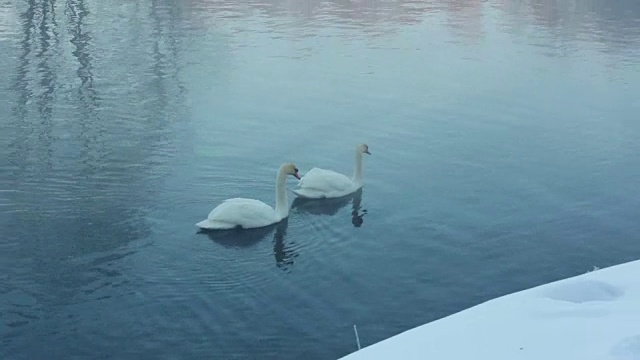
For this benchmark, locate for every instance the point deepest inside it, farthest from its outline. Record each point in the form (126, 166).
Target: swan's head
(363, 148)
(290, 169)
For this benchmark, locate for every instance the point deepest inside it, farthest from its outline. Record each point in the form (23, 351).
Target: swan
(322, 184)
(250, 213)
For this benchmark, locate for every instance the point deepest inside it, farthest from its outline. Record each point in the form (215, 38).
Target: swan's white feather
(321, 183)
(246, 213)
(215, 225)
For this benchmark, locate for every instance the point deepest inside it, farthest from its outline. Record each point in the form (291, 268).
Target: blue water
(504, 139)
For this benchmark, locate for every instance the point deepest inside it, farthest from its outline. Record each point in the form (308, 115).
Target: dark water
(505, 154)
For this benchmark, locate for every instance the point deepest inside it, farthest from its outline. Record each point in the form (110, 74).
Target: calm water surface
(505, 152)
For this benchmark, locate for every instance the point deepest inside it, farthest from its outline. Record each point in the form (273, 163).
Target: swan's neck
(357, 172)
(282, 204)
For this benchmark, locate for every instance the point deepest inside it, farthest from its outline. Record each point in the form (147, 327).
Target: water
(505, 155)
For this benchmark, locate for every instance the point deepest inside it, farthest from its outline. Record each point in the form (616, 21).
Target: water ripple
(500, 130)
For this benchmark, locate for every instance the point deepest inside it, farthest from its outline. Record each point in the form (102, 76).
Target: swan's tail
(207, 224)
(309, 193)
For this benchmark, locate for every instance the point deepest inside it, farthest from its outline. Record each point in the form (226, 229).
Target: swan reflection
(283, 253)
(333, 205)
(238, 237)
(245, 238)
(357, 216)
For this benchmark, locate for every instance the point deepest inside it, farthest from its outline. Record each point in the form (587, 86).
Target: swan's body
(245, 213)
(320, 183)
(251, 213)
(323, 184)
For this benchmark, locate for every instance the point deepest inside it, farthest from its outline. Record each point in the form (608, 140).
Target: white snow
(591, 316)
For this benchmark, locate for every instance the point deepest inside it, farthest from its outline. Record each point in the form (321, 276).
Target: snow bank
(591, 316)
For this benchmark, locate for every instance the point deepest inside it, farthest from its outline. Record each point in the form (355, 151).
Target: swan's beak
(367, 152)
(297, 176)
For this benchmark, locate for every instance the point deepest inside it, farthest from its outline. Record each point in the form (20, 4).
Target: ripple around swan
(227, 274)
(311, 225)
(228, 261)
(315, 239)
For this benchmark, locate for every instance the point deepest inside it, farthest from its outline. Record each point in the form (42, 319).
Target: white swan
(321, 184)
(250, 213)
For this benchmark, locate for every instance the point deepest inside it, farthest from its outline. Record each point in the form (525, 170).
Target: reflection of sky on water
(591, 20)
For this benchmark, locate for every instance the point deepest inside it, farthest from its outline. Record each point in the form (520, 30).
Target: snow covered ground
(591, 316)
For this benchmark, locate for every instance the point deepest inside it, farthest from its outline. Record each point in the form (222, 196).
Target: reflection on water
(332, 206)
(246, 238)
(357, 212)
(284, 253)
(81, 39)
(509, 131)
(614, 24)
(241, 238)
(76, 183)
